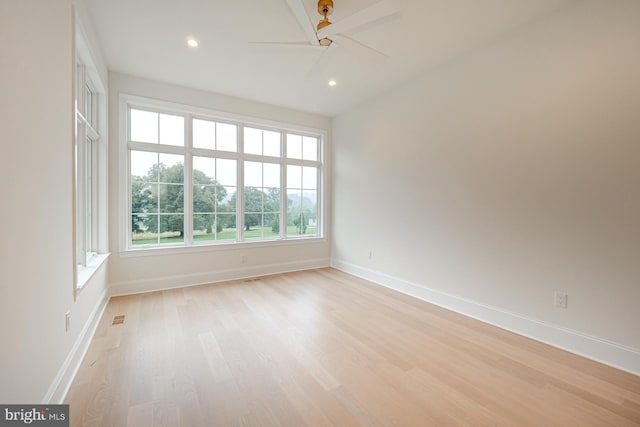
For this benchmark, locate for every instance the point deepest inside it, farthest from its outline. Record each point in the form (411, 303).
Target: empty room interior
(322, 213)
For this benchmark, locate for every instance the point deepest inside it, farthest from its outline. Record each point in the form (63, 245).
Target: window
(198, 179)
(89, 167)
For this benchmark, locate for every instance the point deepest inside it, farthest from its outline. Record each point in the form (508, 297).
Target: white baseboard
(61, 383)
(192, 279)
(603, 351)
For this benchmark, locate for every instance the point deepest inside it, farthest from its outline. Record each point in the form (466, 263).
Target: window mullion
(188, 182)
(240, 188)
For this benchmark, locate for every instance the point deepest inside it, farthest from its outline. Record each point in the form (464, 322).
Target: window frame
(89, 166)
(128, 102)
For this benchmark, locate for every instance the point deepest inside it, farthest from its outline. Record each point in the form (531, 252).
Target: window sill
(86, 273)
(213, 247)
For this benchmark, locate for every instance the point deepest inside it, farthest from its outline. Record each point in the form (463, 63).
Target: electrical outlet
(67, 321)
(560, 299)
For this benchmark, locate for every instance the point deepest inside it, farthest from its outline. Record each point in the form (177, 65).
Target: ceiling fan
(327, 34)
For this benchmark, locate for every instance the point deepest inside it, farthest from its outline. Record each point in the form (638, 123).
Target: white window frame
(90, 220)
(127, 102)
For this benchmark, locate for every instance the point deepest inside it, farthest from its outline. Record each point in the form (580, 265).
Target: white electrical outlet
(67, 321)
(560, 299)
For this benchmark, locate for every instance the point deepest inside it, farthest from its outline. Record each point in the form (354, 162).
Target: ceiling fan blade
(360, 49)
(322, 60)
(365, 16)
(298, 10)
(286, 44)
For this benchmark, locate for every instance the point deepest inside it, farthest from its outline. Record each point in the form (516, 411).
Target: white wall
(36, 256)
(507, 174)
(130, 274)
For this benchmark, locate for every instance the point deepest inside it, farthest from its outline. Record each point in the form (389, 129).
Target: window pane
(144, 126)
(252, 174)
(143, 164)
(171, 168)
(309, 178)
(294, 176)
(302, 212)
(228, 202)
(271, 175)
(171, 130)
(226, 227)
(144, 196)
(204, 170)
(271, 143)
(294, 146)
(226, 137)
(252, 141)
(204, 198)
(309, 148)
(226, 172)
(171, 198)
(171, 229)
(204, 134)
(144, 229)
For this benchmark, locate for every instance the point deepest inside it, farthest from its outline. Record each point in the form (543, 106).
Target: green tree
(162, 191)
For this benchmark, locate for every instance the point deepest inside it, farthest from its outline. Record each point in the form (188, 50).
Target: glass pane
(271, 201)
(144, 196)
(171, 228)
(271, 175)
(271, 143)
(226, 227)
(294, 210)
(204, 170)
(144, 126)
(227, 203)
(227, 174)
(309, 178)
(204, 227)
(253, 174)
(294, 146)
(143, 164)
(171, 130)
(204, 198)
(294, 176)
(253, 225)
(309, 148)
(204, 134)
(171, 198)
(171, 168)
(226, 137)
(144, 229)
(252, 141)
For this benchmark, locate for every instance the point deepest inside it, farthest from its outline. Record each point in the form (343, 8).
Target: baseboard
(61, 383)
(603, 351)
(193, 279)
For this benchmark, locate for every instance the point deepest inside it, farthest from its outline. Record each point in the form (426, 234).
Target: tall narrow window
(89, 166)
(87, 137)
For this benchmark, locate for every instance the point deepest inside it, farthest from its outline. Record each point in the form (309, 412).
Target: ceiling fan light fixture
(325, 41)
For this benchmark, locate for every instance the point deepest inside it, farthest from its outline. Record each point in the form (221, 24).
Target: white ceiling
(147, 38)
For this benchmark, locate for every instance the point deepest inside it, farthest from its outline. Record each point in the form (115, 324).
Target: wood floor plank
(323, 348)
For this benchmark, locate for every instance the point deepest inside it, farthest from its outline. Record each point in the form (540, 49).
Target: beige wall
(36, 256)
(508, 174)
(130, 274)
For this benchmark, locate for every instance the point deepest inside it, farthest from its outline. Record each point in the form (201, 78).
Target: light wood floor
(323, 348)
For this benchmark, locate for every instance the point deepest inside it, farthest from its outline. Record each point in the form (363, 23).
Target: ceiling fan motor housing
(325, 7)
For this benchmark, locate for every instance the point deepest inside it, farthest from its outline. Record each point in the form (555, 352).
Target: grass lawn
(225, 234)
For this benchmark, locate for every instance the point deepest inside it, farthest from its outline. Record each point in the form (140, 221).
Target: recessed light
(192, 42)
(332, 82)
